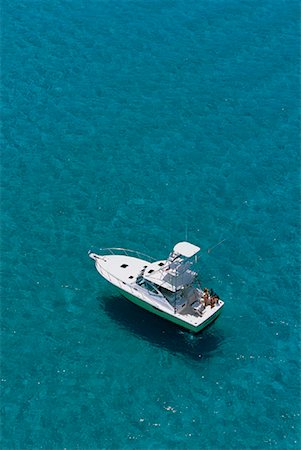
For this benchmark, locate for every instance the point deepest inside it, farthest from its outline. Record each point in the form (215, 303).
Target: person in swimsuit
(206, 297)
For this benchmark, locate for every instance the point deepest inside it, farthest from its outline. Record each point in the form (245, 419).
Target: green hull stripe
(167, 316)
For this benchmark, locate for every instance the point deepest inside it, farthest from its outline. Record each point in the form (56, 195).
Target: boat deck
(125, 268)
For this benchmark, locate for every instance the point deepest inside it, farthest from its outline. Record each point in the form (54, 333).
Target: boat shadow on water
(159, 331)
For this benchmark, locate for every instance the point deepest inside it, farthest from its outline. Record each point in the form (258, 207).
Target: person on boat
(214, 300)
(206, 297)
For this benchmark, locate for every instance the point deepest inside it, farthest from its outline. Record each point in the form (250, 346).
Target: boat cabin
(173, 274)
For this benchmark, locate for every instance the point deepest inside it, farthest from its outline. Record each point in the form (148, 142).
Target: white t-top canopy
(186, 249)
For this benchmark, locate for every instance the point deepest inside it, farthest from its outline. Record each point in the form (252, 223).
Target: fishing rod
(223, 240)
(216, 245)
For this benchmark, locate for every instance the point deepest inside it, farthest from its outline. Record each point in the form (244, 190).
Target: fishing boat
(168, 288)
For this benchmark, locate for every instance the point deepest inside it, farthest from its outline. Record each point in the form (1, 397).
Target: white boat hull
(175, 318)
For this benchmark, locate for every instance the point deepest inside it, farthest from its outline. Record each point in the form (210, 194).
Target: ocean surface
(138, 124)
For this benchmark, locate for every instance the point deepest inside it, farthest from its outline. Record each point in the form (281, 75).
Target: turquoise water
(140, 123)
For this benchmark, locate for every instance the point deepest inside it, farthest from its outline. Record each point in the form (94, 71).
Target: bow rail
(120, 251)
(99, 253)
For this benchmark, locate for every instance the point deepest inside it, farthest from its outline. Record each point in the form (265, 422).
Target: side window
(151, 288)
(146, 285)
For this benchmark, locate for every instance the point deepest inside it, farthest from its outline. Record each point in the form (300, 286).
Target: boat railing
(112, 278)
(122, 284)
(120, 251)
